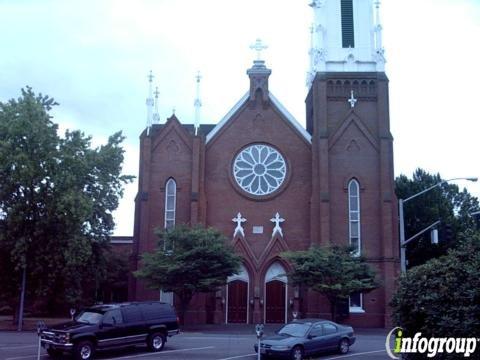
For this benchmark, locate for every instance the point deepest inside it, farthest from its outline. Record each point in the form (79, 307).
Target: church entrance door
(275, 302)
(237, 302)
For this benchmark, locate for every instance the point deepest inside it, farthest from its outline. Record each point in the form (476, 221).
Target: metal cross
(259, 46)
(277, 220)
(156, 93)
(150, 76)
(239, 220)
(352, 100)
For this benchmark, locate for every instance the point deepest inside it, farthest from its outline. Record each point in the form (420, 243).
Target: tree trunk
(184, 301)
(333, 309)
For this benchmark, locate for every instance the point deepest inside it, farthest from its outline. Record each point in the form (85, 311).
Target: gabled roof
(286, 114)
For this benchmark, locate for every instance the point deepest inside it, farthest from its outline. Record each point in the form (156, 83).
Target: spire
(197, 103)
(259, 74)
(156, 115)
(149, 102)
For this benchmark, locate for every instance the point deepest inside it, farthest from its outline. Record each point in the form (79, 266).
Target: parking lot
(192, 346)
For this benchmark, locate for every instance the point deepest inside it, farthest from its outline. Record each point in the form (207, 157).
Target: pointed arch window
(170, 203)
(354, 215)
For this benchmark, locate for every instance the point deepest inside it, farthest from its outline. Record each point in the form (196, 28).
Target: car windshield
(297, 330)
(89, 317)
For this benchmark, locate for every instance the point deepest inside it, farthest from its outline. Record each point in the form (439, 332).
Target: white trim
(291, 119)
(356, 309)
(350, 221)
(227, 117)
(170, 180)
(121, 241)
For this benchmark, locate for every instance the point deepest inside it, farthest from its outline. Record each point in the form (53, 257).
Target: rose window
(259, 169)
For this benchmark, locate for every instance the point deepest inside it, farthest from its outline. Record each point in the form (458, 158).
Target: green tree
(445, 203)
(441, 298)
(334, 272)
(187, 261)
(57, 195)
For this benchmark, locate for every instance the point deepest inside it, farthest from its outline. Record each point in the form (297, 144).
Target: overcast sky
(93, 57)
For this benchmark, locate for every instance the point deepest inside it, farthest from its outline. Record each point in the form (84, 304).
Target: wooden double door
(275, 302)
(237, 302)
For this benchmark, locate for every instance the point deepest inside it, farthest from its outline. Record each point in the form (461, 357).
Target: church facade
(271, 185)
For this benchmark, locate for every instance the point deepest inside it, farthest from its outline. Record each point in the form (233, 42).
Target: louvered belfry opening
(348, 34)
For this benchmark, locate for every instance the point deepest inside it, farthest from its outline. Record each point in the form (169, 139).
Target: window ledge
(356, 310)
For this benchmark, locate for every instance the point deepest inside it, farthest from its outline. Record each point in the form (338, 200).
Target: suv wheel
(297, 353)
(83, 350)
(343, 346)
(156, 341)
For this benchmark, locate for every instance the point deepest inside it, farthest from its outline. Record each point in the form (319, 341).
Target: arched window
(170, 203)
(354, 215)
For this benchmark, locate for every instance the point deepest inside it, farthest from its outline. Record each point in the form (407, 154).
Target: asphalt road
(190, 346)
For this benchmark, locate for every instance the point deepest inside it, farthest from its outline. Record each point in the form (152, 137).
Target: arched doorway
(237, 298)
(275, 294)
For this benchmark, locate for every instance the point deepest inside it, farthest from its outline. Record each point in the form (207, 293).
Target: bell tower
(347, 112)
(346, 36)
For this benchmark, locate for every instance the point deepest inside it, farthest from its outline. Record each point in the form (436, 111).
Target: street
(192, 345)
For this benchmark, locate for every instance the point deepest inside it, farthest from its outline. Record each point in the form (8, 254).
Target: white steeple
(149, 102)
(197, 103)
(346, 37)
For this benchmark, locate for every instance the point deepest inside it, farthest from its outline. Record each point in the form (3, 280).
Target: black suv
(112, 326)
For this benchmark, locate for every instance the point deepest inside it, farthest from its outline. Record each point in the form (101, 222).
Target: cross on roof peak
(258, 46)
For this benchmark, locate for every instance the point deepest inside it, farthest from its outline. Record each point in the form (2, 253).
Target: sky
(93, 57)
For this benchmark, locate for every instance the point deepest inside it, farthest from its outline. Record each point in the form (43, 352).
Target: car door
(330, 336)
(111, 331)
(314, 342)
(135, 328)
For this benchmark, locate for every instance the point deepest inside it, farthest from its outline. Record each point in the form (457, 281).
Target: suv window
(329, 329)
(132, 313)
(154, 311)
(113, 317)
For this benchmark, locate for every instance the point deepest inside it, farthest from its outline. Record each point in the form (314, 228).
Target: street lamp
(404, 242)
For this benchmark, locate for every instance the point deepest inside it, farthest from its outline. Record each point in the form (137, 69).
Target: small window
(170, 203)
(113, 317)
(153, 311)
(348, 34)
(329, 329)
(132, 314)
(356, 303)
(166, 297)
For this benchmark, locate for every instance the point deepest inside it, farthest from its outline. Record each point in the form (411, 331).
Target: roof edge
(227, 117)
(291, 118)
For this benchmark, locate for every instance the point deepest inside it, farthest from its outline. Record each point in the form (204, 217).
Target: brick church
(271, 185)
